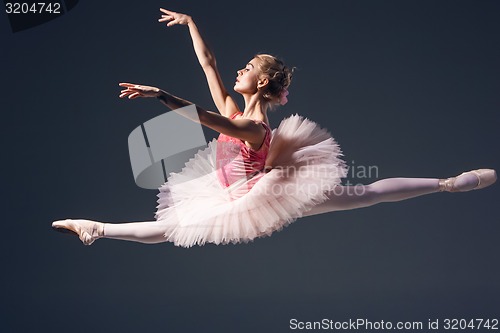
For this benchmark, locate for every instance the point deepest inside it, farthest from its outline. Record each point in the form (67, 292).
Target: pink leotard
(235, 160)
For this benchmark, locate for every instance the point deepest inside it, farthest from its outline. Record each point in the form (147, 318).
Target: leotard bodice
(235, 160)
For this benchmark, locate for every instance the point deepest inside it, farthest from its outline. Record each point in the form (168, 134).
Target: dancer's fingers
(165, 18)
(171, 23)
(134, 95)
(131, 86)
(169, 12)
(128, 92)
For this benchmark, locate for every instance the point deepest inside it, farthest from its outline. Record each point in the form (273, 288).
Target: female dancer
(252, 181)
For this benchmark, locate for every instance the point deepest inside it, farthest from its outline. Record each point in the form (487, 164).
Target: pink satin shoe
(486, 177)
(87, 231)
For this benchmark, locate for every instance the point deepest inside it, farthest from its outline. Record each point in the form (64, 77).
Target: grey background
(409, 86)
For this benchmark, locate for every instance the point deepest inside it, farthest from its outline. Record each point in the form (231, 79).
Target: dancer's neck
(255, 108)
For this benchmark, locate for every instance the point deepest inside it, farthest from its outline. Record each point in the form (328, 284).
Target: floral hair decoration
(283, 94)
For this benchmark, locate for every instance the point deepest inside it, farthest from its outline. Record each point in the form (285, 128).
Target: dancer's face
(248, 78)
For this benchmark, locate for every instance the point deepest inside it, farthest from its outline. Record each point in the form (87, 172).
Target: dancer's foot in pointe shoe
(88, 231)
(467, 181)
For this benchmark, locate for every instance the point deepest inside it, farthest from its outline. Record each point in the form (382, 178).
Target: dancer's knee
(369, 194)
(350, 197)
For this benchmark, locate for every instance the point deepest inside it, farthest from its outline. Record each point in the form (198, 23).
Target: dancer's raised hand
(135, 90)
(173, 18)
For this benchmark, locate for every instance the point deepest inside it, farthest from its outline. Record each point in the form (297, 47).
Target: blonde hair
(279, 76)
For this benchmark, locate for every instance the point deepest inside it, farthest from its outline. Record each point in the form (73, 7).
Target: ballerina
(252, 181)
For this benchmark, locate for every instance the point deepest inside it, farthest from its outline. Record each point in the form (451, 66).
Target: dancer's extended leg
(397, 189)
(385, 190)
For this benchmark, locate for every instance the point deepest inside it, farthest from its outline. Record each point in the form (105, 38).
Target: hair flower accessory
(283, 94)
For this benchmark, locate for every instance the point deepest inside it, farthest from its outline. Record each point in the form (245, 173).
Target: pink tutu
(197, 209)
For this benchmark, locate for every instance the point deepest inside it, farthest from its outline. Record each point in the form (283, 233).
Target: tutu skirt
(304, 163)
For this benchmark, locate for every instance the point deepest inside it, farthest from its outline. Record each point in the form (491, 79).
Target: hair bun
(279, 76)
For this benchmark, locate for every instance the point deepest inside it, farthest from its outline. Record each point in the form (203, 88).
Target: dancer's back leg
(143, 232)
(150, 232)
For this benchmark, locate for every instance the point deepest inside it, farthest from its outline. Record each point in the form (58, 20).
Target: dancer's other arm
(244, 129)
(223, 101)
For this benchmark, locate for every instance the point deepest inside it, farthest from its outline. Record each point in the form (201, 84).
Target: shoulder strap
(234, 115)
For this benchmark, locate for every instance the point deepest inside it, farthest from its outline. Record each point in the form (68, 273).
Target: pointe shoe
(485, 177)
(87, 231)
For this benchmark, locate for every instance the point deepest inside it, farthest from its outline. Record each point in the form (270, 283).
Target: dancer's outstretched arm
(223, 101)
(244, 129)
